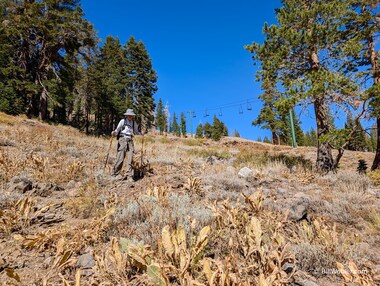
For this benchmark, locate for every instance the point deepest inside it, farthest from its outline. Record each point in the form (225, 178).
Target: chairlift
(220, 112)
(241, 109)
(194, 115)
(206, 113)
(249, 106)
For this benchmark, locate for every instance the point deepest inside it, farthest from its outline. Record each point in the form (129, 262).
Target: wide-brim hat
(129, 112)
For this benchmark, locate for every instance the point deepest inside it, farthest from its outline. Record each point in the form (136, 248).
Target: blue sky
(197, 50)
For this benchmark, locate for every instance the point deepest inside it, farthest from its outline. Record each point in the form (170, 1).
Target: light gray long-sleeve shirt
(130, 128)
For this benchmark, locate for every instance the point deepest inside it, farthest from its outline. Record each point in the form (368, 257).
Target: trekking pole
(142, 149)
(108, 153)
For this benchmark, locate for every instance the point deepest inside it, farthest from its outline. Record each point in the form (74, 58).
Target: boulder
(20, 185)
(245, 173)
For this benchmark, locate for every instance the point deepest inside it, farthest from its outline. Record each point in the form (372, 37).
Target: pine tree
(266, 140)
(358, 141)
(141, 81)
(313, 137)
(42, 34)
(269, 116)
(373, 139)
(160, 117)
(199, 131)
(217, 129)
(236, 133)
(175, 127)
(13, 86)
(304, 53)
(84, 91)
(207, 130)
(183, 125)
(307, 141)
(109, 76)
(363, 29)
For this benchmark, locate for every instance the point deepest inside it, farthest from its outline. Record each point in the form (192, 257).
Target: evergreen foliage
(304, 55)
(183, 125)
(362, 31)
(358, 141)
(310, 138)
(236, 133)
(140, 81)
(362, 166)
(266, 140)
(51, 67)
(207, 130)
(176, 129)
(160, 120)
(218, 129)
(215, 131)
(372, 138)
(43, 39)
(199, 131)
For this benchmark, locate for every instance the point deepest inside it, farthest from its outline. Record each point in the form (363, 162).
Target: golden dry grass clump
(189, 219)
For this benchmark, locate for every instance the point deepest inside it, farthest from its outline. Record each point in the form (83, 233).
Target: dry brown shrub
(10, 165)
(375, 177)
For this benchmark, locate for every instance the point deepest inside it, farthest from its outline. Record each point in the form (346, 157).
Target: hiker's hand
(113, 133)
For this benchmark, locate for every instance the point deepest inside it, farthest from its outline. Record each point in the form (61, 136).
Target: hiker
(124, 131)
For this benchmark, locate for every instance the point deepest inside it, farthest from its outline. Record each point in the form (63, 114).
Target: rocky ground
(61, 212)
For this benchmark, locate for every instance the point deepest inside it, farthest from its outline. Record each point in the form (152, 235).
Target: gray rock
(86, 261)
(305, 282)
(231, 170)
(46, 189)
(245, 172)
(211, 160)
(48, 262)
(298, 210)
(70, 185)
(20, 185)
(374, 192)
(303, 279)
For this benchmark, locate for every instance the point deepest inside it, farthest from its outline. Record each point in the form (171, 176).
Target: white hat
(129, 112)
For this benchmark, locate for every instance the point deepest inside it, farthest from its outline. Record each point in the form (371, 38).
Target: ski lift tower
(192, 114)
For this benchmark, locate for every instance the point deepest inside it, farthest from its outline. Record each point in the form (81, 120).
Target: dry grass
(192, 221)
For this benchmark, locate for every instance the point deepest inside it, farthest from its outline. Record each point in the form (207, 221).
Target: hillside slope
(194, 217)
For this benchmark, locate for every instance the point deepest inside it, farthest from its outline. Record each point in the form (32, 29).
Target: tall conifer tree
(183, 125)
(141, 81)
(175, 126)
(160, 117)
(42, 35)
(304, 54)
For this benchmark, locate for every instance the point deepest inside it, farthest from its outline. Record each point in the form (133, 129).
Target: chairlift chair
(241, 109)
(249, 106)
